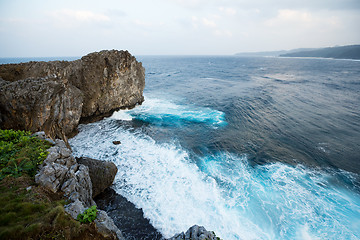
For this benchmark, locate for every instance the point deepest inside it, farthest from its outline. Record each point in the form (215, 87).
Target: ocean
(250, 148)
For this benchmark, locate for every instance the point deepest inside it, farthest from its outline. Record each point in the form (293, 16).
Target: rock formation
(127, 216)
(61, 172)
(195, 233)
(102, 173)
(55, 96)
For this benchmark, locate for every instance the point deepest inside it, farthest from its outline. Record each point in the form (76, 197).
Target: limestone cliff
(55, 96)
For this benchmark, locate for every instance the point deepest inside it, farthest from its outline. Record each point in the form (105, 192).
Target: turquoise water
(251, 148)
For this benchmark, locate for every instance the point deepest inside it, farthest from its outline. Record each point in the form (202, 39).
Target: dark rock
(102, 173)
(116, 142)
(55, 96)
(195, 233)
(126, 216)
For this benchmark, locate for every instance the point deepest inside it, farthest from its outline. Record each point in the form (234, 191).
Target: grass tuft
(22, 217)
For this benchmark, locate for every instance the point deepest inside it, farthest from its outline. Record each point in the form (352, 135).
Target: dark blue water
(289, 110)
(252, 148)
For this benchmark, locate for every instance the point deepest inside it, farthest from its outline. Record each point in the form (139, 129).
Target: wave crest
(161, 112)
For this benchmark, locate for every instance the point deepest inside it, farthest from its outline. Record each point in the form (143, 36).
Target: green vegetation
(88, 216)
(27, 212)
(20, 153)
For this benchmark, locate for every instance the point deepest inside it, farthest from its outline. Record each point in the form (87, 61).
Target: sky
(48, 28)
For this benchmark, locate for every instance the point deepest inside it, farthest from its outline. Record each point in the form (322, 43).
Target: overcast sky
(42, 28)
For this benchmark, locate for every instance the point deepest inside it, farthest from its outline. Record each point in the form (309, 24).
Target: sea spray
(222, 192)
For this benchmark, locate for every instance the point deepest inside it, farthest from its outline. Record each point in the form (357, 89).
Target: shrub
(88, 216)
(20, 153)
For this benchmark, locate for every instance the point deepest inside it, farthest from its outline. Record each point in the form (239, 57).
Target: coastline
(76, 97)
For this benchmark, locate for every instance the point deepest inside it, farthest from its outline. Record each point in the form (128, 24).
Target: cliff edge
(56, 96)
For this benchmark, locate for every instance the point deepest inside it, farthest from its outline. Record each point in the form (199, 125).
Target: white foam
(224, 194)
(287, 201)
(160, 179)
(160, 111)
(305, 234)
(122, 115)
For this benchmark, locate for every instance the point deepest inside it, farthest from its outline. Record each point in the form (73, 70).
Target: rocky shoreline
(126, 216)
(54, 97)
(60, 172)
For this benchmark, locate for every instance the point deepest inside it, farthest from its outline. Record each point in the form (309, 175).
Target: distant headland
(338, 52)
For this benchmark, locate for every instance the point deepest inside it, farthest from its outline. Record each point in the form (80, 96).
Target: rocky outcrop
(44, 103)
(56, 96)
(61, 172)
(195, 233)
(102, 173)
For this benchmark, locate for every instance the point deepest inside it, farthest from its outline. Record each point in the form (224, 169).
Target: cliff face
(55, 96)
(40, 104)
(109, 80)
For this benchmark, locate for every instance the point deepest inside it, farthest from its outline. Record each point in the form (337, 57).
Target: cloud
(208, 23)
(79, 16)
(300, 19)
(195, 21)
(143, 23)
(223, 33)
(115, 13)
(290, 16)
(228, 11)
(192, 4)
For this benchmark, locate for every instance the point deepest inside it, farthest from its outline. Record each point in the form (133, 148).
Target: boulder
(102, 173)
(195, 233)
(55, 96)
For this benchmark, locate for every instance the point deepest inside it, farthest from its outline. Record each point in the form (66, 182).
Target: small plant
(88, 216)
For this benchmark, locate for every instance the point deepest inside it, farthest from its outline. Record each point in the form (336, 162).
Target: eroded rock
(40, 104)
(54, 96)
(61, 172)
